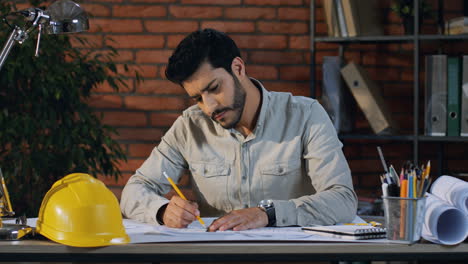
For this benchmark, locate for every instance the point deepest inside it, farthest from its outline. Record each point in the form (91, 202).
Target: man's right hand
(179, 213)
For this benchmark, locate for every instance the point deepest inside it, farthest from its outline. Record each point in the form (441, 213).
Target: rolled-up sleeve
(143, 195)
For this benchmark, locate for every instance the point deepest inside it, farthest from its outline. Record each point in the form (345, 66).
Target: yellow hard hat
(80, 211)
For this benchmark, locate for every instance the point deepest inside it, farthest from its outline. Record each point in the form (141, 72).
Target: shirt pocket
(210, 180)
(209, 170)
(281, 180)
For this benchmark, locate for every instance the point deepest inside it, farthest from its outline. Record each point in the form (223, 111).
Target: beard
(237, 106)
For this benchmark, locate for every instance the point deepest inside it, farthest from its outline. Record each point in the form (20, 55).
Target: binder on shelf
(435, 114)
(341, 19)
(453, 96)
(351, 17)
(335, 98)
(369, 99)
(368, 16)
(456, 26)
(331, 18)
(464, 99)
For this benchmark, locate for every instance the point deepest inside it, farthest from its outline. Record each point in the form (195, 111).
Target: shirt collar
(263, 109)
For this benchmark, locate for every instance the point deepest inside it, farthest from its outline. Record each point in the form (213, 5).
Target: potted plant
(405, 10)
(47, 128)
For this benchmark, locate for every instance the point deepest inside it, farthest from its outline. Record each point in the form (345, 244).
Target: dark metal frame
(416, 38)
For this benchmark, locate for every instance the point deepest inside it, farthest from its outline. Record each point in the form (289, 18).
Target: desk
(45, 251)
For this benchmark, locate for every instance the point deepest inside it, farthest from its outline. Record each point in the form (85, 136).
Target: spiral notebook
(354, 232)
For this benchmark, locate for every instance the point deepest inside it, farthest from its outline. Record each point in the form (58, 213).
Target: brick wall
(274, 38)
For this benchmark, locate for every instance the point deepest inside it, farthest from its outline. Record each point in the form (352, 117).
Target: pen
(181, 195)
(382, 159)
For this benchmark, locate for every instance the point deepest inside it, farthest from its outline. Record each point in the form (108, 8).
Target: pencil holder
(404, 218)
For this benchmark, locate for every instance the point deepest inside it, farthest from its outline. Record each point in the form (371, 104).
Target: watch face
(265, 203)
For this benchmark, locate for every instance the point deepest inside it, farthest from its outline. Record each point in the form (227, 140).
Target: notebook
(354, 232)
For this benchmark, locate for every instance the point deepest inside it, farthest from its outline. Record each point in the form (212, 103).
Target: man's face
(219, 94)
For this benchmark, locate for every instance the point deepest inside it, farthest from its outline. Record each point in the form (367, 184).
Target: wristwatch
(269, 208)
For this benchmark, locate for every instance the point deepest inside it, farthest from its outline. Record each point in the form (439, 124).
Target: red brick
(160, 87)
(152, 1)
(110, 1)
(273, 2)
(163, 119)
(282, 27)
(96, 10)
(260, 41)
(262, 72)
(106, 88)
(116, 25)
(133, 119)
(91, 41)
(276, 57)
(136, 41)
(153, 56)
(122, 56)
(139, 11)
(162, 71)
(170, 26)
(250, 13)
(110, 181)
(293, 13)
(131, 165)
(299, 42)
(379, 59)
(105, 101)
(195, 12)
(296, 88)
(150, 134)
(155, 103)
(227, 26)
(211, 2)
(117, 191)
(140, 150)
(145, 71)
(174, 40)
(295, 73)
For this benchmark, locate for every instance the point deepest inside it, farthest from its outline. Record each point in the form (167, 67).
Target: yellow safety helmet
(80, 211)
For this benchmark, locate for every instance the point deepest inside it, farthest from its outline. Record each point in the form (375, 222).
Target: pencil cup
(404, 218)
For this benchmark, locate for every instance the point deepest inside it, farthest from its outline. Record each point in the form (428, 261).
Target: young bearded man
(256, 158)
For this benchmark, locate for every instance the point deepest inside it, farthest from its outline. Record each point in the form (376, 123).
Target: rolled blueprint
(452, 190)
(443, 223)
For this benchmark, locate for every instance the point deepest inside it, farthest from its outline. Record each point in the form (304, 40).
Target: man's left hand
(241, 219)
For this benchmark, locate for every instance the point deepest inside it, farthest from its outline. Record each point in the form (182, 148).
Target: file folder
(369, 99)
(436, 95)
(453, 96)
(464, 99)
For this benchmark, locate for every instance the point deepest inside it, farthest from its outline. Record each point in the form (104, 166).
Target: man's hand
(242, 219)
(180, 213)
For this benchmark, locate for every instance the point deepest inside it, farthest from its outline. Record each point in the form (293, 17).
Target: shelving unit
(416, 39)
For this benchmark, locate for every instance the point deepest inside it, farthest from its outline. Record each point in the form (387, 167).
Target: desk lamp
(63, 16)
(10, 231)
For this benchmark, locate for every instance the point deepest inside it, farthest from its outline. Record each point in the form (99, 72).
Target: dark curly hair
(200, 46)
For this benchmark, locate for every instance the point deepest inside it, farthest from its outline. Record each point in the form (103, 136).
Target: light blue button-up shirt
(293, 157)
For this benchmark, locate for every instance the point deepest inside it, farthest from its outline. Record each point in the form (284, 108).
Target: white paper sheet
(148, 233)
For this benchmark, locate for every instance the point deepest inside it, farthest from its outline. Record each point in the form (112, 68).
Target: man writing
(256, 158)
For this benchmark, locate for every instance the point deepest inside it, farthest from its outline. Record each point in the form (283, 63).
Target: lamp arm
(17, 35)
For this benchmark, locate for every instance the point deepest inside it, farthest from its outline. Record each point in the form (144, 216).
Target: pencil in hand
(181, 195)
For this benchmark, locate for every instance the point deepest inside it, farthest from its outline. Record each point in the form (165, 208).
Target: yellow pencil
(181, 195)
